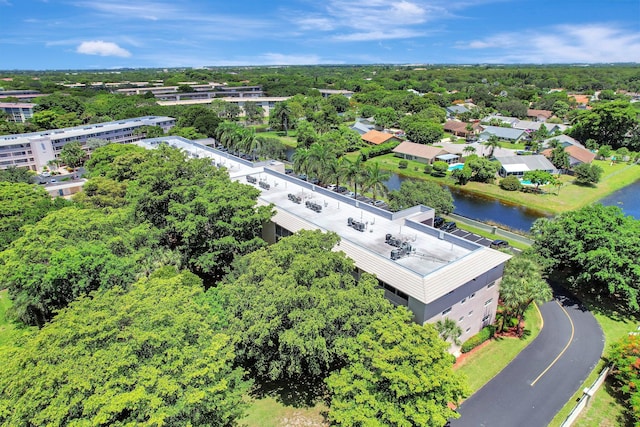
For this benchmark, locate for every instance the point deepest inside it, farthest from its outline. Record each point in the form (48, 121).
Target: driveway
(545, 375)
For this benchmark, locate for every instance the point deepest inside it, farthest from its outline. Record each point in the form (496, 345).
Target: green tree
(422, 132)
(493, 142)
(538, 177)
(339, 102)
(16, 175)
(253, 112)
(604, 152)
(449, 330)
(468, 150)
(482, 169)
(374, 180)
(399, 373)
(386, 117)
(522, 284)
(151, 356)
(587, 173)
(280, 117)
(295, 304)
(70, 253)
(22, 205)
(606, 123)
(463, 175)
(72, 154)
(625, 375)
(354, 172)
(439, 168)
(597, 248)
(306, 134)
(560, 158)
(415, 192)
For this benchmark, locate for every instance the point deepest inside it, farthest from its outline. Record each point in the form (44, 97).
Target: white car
(45, 174)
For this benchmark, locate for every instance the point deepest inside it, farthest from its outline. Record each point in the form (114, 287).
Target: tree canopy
(597, 248)
(295, 304)
(414, 192)
(151, 356)
(399, 373)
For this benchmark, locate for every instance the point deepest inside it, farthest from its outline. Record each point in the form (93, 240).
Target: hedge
(485, 334)
(378, 150)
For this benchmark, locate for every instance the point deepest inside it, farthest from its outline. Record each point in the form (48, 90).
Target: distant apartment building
(35, 150)
(265, 102)
(16, 111)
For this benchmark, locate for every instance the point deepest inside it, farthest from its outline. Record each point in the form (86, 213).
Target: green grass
(268, 412)
(604, 409)
(489, 235)
(484, 363)
(289, 140)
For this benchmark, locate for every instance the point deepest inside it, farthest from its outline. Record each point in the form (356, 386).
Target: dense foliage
(625, 375)
(150, 356)
(597, 248)
(413, 192)
(399, 373)
(295, 304)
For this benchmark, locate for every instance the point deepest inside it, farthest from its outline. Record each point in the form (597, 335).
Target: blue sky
(106, 34)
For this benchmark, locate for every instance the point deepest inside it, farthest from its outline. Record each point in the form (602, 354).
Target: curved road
(544, 376)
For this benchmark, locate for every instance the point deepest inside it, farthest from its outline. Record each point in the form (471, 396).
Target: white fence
(587, 393)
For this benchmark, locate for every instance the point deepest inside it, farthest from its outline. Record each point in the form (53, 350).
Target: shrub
(428, 168)
(378, 150)
(485, 334)
(510, 183)
(403, 164)
(440, 168)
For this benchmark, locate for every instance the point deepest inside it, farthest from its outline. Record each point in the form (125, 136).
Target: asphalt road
(545, 375)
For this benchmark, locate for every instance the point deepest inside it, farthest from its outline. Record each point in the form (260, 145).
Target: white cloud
(283, 59)
(102, 48)
(562, 44)
(379, 35)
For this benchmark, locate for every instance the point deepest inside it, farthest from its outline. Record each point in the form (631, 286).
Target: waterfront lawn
(554, 200)
(484, 363)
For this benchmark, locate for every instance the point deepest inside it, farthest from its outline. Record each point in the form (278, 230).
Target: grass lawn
(484, 363)
(604, 409)
(570, 196)
(268, 412)
(289, 140)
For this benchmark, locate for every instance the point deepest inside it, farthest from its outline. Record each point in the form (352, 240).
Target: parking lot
(472, 237)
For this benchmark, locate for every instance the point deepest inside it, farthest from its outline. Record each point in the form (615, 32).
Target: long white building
(435, 274)
(35, 150)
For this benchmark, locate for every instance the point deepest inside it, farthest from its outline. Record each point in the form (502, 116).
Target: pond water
(627, 198)
(485, 209)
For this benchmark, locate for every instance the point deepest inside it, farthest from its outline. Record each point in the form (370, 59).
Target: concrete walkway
(544, 376)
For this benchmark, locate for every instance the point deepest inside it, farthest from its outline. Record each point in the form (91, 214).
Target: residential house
(539, 115)
(502, 119)
(564, 140)
(459, 128)
(518, 165)
(503, 134)
(577, 155)
(424, 153)
(376, 137)
(363, 126)
(456, 110)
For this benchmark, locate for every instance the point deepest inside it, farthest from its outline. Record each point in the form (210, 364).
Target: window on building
(468, 329)
(463, 301)
(446, 311)
(472, 295)
(489, 301)
(471, 312)
(486, 317)
(461, 319)
(490, 285)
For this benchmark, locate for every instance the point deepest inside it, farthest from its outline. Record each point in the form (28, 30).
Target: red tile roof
(539, 113)
(376, 137)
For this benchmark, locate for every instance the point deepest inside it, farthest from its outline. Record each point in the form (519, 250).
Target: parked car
(341, 189)
(438, 222)
(332, 187)
(378, 203)
(350, 194)
(314, 181)
(449, 226)
(302, 177)
(288, 171)
(499, 244)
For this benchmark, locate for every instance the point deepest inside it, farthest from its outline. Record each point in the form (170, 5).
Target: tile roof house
(460, 128)
(506, 134)
(539, 115)
(419, 152)
(504, 119)
(565, 141)
(577, 155)
(376, 137)
(518, 165)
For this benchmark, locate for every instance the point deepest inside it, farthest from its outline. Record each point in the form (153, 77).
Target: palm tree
(522, 284)
(321, 155)
(283, 113)
(468, 150)
(353, 173)
(301, 160)
(337, 170)
(493, 142)
(449, 330)
(374, 179)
